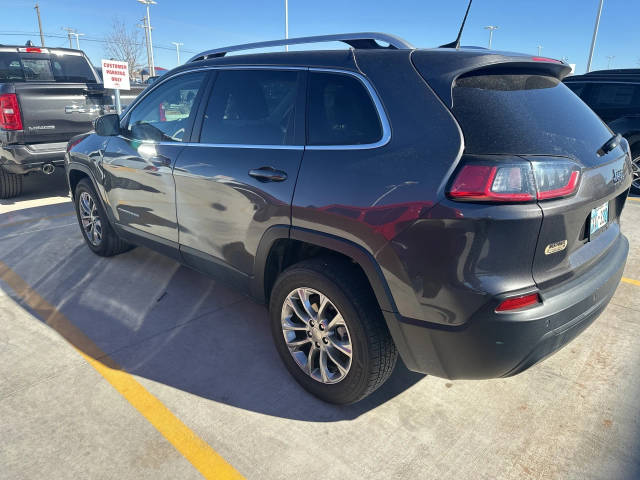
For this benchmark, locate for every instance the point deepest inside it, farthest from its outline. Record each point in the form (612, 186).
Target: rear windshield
(525, 114)
(18, 67)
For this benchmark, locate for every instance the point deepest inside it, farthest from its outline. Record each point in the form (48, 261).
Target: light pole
(539, 50)
(146, 42)
(78, 35)
(595, 34)
(609, 60)
(69, 31)
(178, 45)
(286, 23)
(147, 26)
(491, 28)
(37, 9)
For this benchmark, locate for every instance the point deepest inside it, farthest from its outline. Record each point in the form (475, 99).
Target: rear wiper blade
(610, 144)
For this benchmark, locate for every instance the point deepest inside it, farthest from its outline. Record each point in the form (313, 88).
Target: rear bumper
(23, 159)
(492, 345)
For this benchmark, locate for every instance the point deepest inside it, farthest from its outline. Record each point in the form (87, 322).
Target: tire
(635, 156)
(373, 353)
(10, 184)
(108, 243)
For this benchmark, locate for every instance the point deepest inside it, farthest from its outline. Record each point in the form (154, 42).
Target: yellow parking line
(206, 460)
(631, 281)
(31, 220)
(635, 199)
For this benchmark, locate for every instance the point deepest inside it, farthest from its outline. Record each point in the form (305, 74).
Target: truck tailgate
(54, 112)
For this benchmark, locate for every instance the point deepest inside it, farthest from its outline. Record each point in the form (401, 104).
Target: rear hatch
(527, 114)
(57, 91)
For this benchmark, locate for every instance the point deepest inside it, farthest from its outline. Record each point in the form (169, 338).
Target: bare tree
(124, 44)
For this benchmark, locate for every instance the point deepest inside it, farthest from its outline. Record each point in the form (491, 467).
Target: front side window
(251, 107)
(164, 114)
(340, 111)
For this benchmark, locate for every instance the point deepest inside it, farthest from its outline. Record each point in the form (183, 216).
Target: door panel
(138, 163)
(223, 211)
(239, 181)
(140, 187)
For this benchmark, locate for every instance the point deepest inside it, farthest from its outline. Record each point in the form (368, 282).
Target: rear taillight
(519, 181)
(519, 302)
(10, 118)
(555, 179)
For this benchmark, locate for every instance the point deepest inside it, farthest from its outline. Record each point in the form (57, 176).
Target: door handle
(268, 174)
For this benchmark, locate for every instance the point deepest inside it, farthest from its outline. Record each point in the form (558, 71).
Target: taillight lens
(522, 181)
(10, 118)
(555, 179)
(516, 303)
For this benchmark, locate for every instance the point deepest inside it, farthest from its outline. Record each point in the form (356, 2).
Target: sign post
(115, 75)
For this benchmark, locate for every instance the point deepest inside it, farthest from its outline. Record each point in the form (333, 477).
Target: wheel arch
(280, 247)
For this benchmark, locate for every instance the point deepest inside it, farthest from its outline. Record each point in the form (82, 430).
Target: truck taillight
(10, 118)
(517, 181)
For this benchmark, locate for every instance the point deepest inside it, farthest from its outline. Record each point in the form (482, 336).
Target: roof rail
(364, 40)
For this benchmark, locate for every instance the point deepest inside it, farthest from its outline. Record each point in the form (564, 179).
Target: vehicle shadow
(146, 314)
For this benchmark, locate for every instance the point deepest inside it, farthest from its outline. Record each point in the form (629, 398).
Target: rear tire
(10, 184)
(373, 353)
(98, 233)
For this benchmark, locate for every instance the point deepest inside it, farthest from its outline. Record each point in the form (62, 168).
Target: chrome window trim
(382, 115)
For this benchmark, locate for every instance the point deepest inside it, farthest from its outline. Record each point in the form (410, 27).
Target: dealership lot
(136, 367)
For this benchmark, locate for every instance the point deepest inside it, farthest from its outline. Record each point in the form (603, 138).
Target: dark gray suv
(459, 207)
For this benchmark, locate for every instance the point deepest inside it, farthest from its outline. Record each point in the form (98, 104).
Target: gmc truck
(47, 96)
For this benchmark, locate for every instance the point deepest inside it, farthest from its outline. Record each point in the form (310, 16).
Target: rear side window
(340, 111)
(577, 88)
(616, 95)
(251, 107)
(25, 67)
(525, 114)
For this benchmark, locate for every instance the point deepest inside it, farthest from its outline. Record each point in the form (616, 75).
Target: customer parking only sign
(115, 74)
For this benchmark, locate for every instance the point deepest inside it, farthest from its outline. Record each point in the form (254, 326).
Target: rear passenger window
(340, 111)
(614, 95)
(251, 107)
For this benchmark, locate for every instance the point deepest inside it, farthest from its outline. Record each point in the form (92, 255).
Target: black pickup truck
(47, 96)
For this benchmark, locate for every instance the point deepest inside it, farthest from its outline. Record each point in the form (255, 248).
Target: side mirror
(107, 125)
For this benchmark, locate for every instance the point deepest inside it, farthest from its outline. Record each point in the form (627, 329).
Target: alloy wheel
(635, 169)
(90, 218)
(316, 335)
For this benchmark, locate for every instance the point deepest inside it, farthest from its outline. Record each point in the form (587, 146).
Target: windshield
(525, 114)
(18, 67)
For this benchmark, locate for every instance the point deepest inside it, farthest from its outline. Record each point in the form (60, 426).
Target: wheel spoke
(301, 314)
(334, 360)
(324, 301)
(304, 300)
(287, 324)
(296, 344)
(324, 369)
(344, 347)
(337, 321)
(310, 356)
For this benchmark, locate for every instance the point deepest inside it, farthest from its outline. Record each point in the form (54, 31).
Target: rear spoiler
(441, 67)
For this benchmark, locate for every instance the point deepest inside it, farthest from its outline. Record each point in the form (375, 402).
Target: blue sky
(562, 27)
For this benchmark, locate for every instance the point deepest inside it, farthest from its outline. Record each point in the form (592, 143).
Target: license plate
(599, 217)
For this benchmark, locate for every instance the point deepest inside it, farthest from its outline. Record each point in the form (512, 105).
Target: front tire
(98, 233)
(329, 330)
(10, 184)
